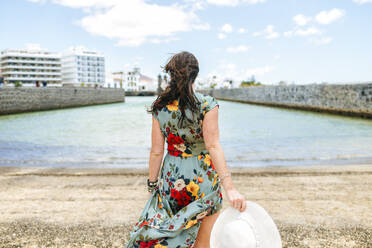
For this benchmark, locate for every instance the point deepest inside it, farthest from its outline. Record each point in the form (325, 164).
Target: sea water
(119, 135)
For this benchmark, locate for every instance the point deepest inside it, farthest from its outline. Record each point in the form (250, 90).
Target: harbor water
(119, 135)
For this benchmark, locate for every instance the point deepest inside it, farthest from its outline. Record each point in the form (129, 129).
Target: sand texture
(313, 206)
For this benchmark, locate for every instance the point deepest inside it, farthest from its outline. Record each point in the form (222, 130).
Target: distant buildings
(215, 82)
(82, 66)
(27, 66)
(76, 66)
(132, 80)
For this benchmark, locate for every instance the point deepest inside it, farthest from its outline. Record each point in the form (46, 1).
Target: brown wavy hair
(183, 68)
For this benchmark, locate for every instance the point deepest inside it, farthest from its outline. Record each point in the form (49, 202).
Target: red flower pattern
(174, 140)
(148, 244)
(182, 197)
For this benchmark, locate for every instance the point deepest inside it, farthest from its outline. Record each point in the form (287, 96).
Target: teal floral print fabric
(189, 187)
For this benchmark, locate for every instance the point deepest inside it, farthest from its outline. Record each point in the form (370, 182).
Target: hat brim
(267, 233)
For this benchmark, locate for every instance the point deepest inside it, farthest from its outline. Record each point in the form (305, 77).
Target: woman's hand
(236, 199)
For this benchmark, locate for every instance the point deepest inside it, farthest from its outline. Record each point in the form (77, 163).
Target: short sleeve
(156, 114)
(211, 103)
(208, 103)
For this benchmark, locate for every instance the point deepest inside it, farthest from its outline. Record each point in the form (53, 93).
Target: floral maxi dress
(189, 187)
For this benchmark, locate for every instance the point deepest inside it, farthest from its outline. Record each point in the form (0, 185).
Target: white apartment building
(30, 65)
(82, 66)
(131, 81)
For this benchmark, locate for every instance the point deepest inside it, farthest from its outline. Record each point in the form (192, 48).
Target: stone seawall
(140, 93)
(346, 99)
(18, 100)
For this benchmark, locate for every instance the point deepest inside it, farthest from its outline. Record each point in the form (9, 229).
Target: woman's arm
(212, 143)
(157, 150)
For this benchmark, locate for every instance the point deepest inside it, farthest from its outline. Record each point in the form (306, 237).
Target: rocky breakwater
(17, 100)
(344, 99)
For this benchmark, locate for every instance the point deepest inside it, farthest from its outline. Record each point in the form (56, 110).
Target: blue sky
(298, 41)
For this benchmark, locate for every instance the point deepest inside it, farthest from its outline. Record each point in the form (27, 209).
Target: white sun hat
(253, 228)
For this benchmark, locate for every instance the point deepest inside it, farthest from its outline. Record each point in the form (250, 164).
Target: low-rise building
(132, 80)
(29, 66)
(216, 82)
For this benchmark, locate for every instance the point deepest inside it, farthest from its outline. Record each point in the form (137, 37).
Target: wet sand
(313, 206)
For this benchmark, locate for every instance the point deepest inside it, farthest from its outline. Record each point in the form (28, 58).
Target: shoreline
(143, 164)
(313, 206)
(274, 170)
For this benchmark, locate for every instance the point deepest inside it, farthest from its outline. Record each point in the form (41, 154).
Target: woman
(186, 199)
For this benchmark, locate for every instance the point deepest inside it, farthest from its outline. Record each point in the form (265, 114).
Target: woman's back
(187, 141)
(189, 188)
(185, 186)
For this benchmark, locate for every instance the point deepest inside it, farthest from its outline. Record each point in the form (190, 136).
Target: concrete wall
(140, 93)
(17, 100)
(349, 99)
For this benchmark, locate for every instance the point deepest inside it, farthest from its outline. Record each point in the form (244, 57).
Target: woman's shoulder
(208, 102)
(204, 97)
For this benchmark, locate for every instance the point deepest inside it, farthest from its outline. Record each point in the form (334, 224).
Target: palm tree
(159, 90)
(165, 79)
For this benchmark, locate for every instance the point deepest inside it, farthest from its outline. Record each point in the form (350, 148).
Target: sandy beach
(313, 206)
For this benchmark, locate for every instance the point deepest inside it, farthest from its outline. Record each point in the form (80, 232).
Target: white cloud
(362, 1)
(258, 71)
(224, 2)
(322, 41)
(33, 46)
(195, 4)
(237, 49)
(308, 31)
(288, 33)
(226, 70)
(231, 70)
(117, 19)
(86, 4)
(233, 2)
(221, 36)
(166, 40)
(253, 1)
(323, 17)
(303, 32)
(242, 30)
(301, 20)
(227, 28)
(327, 17)
(268, 33)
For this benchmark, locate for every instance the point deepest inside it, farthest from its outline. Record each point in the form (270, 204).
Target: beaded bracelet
(151, 186)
